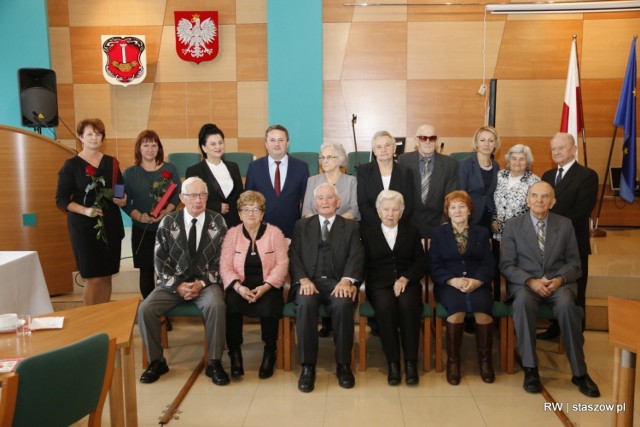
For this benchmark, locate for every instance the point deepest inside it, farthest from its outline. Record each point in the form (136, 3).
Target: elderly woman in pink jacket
(253, 266)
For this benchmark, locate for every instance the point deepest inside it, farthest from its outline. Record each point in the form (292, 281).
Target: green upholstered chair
(461, 155)
(182, 161)
(310, 158)
(362, 156)
(241, 159)
(366, 311)
(60, 387)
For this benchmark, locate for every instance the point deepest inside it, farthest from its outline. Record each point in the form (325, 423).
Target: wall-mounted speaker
(38, 97)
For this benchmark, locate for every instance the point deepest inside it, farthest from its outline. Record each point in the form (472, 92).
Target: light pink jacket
(273, 250)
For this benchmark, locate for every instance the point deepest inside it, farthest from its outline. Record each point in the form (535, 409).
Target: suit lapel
(212, 179)
(530, 235)
(567, 178)
(313, 239)
(551, 237)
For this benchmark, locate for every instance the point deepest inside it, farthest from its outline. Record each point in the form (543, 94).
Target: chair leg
(145, 357)
(362, 336)
(279, 345)
(560, 344)
(438, 350)
(164, 339)
(287, 344)
(503, 344)
(511, 341)
(426, 337)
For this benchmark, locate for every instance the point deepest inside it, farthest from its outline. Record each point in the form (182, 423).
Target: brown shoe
(484, 341)
(454, 340)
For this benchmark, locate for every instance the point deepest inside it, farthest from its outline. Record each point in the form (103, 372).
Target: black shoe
(532, 382)
(324, 332)
(553, 331)
(411, 372)
(345, 376)
(393, 374)
(217, 373)
(154, 370)
(267, 365)
(586, 385)
(236, 363)
(373, 325)
(307, 379)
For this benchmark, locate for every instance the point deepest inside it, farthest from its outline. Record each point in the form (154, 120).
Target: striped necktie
(426, 178)
(540, 233)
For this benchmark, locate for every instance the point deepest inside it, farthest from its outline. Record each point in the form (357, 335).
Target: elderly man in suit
(540, 260)
(434, 175)
(326, 261)
(187, 254)
(281, 179)
(576, 188)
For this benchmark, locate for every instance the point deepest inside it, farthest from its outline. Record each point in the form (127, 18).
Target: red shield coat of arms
(197, 36)
(124, 59)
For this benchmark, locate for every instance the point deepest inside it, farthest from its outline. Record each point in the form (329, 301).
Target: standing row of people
(460, 263)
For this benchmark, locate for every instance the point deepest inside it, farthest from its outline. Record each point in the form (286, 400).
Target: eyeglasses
(194, 196)
(247, 211)
(424, 138)
(321, 158)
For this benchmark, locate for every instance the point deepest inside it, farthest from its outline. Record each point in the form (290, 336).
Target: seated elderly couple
(327, 262)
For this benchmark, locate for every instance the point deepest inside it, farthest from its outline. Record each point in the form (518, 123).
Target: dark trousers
(341, 312)
(398, 320)
(268, 326)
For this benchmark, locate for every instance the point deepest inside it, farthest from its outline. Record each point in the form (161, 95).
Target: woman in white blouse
(510, 196)
(224, 182)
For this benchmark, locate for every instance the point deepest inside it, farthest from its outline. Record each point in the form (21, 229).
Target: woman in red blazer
(253, 266)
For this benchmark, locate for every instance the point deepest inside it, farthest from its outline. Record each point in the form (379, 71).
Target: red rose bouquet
(102, 194)
(159, 188)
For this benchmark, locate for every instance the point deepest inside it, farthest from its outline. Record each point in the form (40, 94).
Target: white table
(23, 289)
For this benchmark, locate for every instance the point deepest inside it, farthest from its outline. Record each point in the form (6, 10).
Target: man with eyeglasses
(281, 179)
(187, 255)
(435, 175)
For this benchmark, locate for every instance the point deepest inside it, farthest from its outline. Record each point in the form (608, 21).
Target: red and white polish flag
(572, 109)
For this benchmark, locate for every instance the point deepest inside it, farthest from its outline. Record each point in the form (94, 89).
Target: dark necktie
(559, 176)
(325, 230)
(193, 238)
(276, 180)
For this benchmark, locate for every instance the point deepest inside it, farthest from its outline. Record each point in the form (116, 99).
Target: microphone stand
(354, 120)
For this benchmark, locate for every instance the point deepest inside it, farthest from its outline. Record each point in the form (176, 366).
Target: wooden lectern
(624, 334)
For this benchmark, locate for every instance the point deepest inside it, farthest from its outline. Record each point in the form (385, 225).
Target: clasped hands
(190, 290)
(465, 284)
(545, 287)
(252, 295)
(344, 289)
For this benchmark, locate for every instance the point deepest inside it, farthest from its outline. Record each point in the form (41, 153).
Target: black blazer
(370, 185)
(216, 197)
(347, 254)
(383, 265)
(576, 195)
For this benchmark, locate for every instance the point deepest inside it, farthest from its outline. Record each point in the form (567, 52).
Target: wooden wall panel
(116, 13)
(453, 106)
(382, 13)
(58, 13)
(253, 109)
(452, 50)
(130, 109)
(60, 42)
(66, 112)
(536, 49)
(376, 51)
(600, 101)
(335, 38)
(336, 117)
(252, 145)
(251, 12)
(334, 11)
(449, 13)
(606, 47)
(226, 9)
(251, 52)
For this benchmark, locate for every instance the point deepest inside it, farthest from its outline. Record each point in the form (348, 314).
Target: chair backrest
(310, 158)
(182, 161)
(461, 155)
(60, 387)
(362, 157)
(241, 159)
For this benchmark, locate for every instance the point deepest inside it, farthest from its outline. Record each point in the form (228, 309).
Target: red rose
(166, 175)
(90, 170)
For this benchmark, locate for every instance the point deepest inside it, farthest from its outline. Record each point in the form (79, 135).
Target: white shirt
(386, 180)
(331, 220)
(390, 234)
(565, 169)
(222, 175)
(284, 165)
(199, 225)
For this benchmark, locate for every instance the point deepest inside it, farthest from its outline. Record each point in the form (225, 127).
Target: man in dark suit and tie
(326, 261)
(540, 260)
(187, 255)
(576, 188)
(435, 175)
(281, 179)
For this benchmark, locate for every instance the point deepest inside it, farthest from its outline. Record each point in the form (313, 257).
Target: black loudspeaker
(38, 97)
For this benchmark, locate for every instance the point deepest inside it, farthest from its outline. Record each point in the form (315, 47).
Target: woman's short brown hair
(96, 124)
(460, 195)
(148, 135)
(251, 197)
